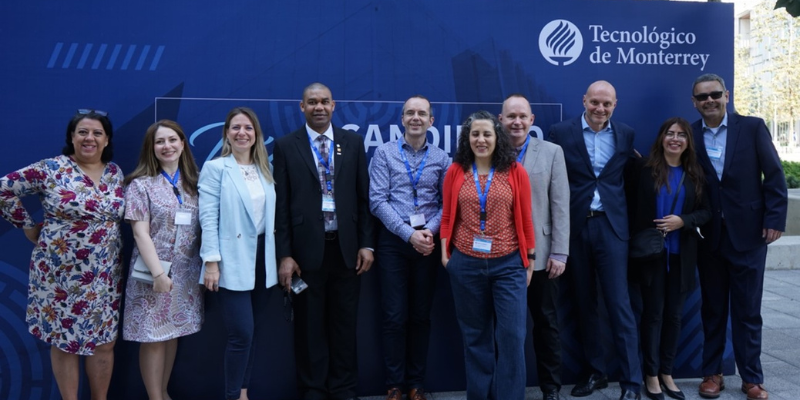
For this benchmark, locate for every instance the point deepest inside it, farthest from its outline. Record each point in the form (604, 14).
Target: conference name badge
(183, 218)
(328, 205)
(714, 153)
(417, 220)
(482, 244)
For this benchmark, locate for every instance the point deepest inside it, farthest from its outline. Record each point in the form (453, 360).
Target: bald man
(596, 151)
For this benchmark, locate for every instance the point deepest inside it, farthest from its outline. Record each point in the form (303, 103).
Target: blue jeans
(408, 280)
(242, 314)
(490, 301)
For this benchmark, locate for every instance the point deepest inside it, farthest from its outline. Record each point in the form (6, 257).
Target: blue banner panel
(192, 61)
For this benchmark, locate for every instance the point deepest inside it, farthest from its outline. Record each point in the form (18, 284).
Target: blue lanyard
(174, 181)
(414, 180)
(521, 154)
(482, 194)
(325, 163)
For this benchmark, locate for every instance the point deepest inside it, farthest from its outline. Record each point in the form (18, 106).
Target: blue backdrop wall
(193, 61)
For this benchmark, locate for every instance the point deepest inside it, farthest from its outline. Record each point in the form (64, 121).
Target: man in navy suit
(325, 233)
(596, 151)
(748, 212)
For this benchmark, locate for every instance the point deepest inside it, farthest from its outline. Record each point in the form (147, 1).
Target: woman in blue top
(237, 216)
(671, 170)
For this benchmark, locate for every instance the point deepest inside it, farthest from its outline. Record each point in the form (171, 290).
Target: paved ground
(780, 358)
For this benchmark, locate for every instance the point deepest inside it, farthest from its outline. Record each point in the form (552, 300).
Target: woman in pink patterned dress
(75, 283)
(161, 205)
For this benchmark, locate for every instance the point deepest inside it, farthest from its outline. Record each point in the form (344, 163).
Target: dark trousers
(489, 298)
(407, 281)
(732, 281)
(662, 309)
(598, 255)
(243, 313)
(542, 297)
(325, 329)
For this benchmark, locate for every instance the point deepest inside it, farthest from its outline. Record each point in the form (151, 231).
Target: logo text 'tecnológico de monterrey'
(560, 42)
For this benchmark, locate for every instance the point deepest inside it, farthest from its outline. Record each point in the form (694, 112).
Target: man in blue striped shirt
(405, 193)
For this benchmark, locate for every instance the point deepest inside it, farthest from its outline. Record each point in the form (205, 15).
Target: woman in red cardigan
(487, 234)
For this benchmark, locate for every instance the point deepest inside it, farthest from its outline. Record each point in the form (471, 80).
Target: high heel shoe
(651, 395)
(673, 394)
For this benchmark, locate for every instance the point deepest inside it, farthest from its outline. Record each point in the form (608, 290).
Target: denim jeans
(242, 313)
(408, 280)
(490, 301)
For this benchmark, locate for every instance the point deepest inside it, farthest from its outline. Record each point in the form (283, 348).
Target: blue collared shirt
(600, 146)
(716, 138)
(390, 190)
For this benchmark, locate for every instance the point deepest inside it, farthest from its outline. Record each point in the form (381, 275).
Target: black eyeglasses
(85, 111)
(705, 96)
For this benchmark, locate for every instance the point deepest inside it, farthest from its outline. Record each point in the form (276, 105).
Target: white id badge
(416, 220)
(328, 204)
(482, 244)
(714, 153)
(183, 218)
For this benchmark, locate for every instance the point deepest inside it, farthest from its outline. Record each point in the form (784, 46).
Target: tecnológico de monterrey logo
(560, 42)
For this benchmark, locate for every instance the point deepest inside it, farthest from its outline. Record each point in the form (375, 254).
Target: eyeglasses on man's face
(704, 96)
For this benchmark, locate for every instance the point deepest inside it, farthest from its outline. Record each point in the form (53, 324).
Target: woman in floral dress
(75, 283)
(161, 205)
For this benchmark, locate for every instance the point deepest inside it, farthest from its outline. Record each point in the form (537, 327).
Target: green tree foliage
(768, 69)
(792, 6)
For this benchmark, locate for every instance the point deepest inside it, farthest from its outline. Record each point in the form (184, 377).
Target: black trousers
(325, 317)
(662, 309)
(408, 281)
(542, 297)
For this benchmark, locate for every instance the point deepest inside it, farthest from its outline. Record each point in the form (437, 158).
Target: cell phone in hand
(298, 285)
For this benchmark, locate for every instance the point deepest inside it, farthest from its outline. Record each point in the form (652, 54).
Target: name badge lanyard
(521, 154)
(325, 163)
(174, 181)
(414, 180)
(482, 194)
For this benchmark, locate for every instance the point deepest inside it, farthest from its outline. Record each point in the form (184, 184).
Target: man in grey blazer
(544, 162)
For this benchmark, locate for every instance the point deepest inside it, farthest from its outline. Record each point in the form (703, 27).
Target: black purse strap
(675, 200)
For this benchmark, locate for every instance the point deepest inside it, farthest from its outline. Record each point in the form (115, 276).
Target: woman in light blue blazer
(237, 215)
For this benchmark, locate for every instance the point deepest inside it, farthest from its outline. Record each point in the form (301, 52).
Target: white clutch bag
(142, 274)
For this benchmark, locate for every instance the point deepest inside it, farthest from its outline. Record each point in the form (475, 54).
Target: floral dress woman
(75, 284)
(157, 317)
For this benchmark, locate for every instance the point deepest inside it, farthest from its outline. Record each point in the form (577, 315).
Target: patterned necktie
(322, 146)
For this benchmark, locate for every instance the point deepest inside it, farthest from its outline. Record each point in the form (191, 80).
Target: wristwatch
(532, 256)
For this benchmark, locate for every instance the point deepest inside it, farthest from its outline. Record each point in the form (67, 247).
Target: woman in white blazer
(237, 216)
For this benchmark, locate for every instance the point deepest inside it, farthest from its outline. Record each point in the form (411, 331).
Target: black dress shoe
(653, 396)
(631, 395)
(675, 395)
(594, 382)
(551, 395)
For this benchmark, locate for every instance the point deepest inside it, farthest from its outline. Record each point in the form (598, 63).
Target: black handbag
(648, 244)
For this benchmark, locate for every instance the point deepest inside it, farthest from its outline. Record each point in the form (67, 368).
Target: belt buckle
(330, 235)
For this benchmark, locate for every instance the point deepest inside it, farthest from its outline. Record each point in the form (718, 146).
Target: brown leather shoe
(417, 394)
(711, 386)
(394, 394)
(755, 391)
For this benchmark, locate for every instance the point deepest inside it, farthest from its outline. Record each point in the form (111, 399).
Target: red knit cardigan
(520, 187)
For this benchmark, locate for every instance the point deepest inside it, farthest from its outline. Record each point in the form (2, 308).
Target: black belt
(331, 235)
(595, 213)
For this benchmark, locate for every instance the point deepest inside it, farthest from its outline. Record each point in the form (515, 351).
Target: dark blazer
(694, 212)
(582, 182)
(748, 203)
(298, 212)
